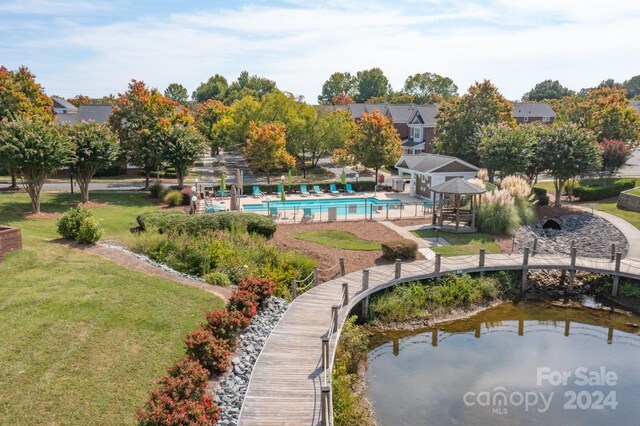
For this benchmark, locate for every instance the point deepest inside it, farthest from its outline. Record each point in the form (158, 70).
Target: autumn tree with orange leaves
(266, 147)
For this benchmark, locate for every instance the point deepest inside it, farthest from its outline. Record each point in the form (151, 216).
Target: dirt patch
(130, 261)
(547, 212)
(89, 204)
(413, 221)
(41, 215)
(328, 256)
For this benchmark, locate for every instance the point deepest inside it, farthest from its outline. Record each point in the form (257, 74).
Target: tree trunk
(559, 183)
(304, 165)
(84, 189)
(180, 178)
(491, 175)
(268, 177)
(375, 184)
(146, 179)
(14, 180)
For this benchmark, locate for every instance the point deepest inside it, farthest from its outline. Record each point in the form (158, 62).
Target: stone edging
(628, 201)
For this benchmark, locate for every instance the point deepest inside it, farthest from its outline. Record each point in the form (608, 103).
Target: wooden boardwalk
(287, 379)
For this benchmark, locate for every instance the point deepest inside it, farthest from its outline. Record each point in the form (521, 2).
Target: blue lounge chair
(307, 215)
(273, 211)
(222, 193)
(317, 190)
(348, 189)
(257, 192)
(333, 189)
(303, 191)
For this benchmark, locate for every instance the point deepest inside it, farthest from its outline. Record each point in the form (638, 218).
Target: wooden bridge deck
(285, 385)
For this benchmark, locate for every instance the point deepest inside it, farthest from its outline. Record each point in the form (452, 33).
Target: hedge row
(587, 190)
(399, 249)
(196, 224)
(179, 397)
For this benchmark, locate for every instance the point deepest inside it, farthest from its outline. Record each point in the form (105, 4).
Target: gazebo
(451, 216)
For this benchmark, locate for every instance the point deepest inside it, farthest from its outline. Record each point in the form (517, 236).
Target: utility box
(397, 185)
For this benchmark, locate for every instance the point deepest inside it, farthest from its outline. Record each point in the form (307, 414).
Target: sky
(96, 47)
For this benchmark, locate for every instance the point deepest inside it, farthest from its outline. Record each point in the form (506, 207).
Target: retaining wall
(628, 201)
(10, 240)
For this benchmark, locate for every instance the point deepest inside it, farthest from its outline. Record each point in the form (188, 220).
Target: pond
(526, 363)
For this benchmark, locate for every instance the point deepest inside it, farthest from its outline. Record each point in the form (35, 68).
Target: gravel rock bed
(151, 262)
(592, 236)
(233, 385)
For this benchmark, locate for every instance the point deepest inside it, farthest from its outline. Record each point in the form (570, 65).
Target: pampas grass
(517, 186)
(498, 213)
(483, 174)
(477, 182)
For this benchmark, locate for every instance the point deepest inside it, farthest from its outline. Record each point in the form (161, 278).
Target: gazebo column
(433, 208)
(457, 212)
(440, 219)
(473, 212)
(412, 185)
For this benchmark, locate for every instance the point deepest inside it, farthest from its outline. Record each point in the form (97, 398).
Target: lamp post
(197, 185)
(437, 229)
(357, 176)
(268, 200)
(282, 182)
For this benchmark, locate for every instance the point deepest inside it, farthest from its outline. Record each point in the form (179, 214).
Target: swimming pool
(343, 206)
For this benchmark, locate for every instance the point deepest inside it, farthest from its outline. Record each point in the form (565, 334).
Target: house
(529, 112)
(635, 105)
(95, 112)
(62, 106)
(428, 170)
(422, 130)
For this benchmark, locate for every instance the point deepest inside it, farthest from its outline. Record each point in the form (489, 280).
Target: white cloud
(515, 44)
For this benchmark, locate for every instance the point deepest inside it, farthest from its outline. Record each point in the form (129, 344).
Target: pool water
(343, 206)
(460, 373)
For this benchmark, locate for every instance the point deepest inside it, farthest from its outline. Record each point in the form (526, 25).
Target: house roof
(63, 103)
(426, 112)
(636, 105)
(99, 113)
(457, 186)
(410, 143)
(425, 163)
(532, 109)
(401, 113)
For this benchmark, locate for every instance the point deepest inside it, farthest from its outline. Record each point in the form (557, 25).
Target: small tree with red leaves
(212, 352)
(615, 154)
(243, 301)
(225, 324)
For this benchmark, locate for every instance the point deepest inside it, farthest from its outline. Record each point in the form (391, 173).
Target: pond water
(526, 363)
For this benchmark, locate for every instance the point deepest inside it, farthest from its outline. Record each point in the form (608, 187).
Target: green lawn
(634, 192)
(83, 340)
(338, 239)
(461, 244)
(610, 206)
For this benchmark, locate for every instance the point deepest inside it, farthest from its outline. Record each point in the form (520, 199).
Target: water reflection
(423, 377)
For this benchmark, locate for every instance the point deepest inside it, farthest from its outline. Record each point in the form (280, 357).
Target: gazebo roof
(457, 186)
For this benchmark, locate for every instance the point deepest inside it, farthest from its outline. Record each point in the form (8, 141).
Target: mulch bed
(41, 215)
(326, 257)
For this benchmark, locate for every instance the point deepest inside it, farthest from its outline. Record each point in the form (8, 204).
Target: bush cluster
(223, 257)
(594, 189)
(541, 196)
(399, 249)
(156, 190)
(79, 224)
(226, 324)
(180, 398)
(212, 352)
(196, 224)
(173, 198)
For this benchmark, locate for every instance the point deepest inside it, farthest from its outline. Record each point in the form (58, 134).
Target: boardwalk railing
(291, 380)
(313, 279)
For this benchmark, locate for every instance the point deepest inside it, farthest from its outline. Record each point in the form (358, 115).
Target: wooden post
(325, 352)
(457, 212)
(535, 246)
(481, 261)
(364, 305)
(477, 332)
(345, 294)
(334, 315)
(572, 272)
(434, 338)
(613, 251)
(398, 268)
(342, 271)
(316, 279)
(294, 288)
(567, 327)
(433, 209)
(525, 269)
(520, 327)
(325, 399)
(473, 212)
(616, 277)
(437, 264)
(610, 336)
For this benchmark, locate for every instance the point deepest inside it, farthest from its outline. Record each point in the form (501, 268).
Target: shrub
(196, 224)
(90, 231)
(526, 212)
(226, 324)
(595, 189)
(212, 352)
(261, 287)
(399, 249)
(156, 190)
(173, 198)
(217, 278)
(180, 398)
(69, 223)
(497, 214)
(243, 301)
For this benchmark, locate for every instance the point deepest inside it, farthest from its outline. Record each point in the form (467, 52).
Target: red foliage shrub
(243, 301)
(225, 324)
(261, 287)
(180, 398)
(163, 410)
(212, 352)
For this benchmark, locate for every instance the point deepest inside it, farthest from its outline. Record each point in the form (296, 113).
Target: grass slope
(83, 340)
(338, 239)
(609, 206)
